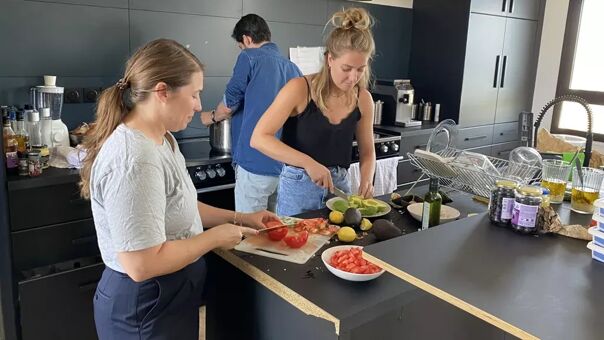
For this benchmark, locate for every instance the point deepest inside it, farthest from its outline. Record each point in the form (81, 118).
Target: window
(582, 69)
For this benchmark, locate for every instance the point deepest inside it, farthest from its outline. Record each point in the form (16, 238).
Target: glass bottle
(46, 127)
(22, 134)
(10, 147)
(35, 136)
(431, 208)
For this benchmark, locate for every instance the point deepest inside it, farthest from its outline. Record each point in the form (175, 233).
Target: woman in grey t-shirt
(149, 223)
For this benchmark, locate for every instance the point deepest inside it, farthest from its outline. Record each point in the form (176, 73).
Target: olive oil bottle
(432, 203)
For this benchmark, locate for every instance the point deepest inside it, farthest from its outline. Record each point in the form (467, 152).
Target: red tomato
(352, 261)
(272, 223)
(297, 240)
(277, 234)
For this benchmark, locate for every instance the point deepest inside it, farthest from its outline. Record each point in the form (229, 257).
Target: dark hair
(253, 26)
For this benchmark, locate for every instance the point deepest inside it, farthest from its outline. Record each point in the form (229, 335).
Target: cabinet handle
(511, 6)
(474, 138)
(84, 240)
(85, 287)
(496, 72)
(505, 59)
(503, 5)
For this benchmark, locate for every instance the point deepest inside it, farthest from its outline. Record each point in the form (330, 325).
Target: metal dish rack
(471, 179)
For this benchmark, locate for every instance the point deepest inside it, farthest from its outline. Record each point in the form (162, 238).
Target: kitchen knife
(341, 194)
(272, 252)
(273, 228)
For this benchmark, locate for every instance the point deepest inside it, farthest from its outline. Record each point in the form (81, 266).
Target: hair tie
(122, 84)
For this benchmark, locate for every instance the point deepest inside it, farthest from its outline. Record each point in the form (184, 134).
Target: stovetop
(197, 151)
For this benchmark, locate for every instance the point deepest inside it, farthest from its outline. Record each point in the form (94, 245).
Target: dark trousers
(165, 307)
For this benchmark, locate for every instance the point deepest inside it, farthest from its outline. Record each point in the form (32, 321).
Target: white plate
(447, 213)
(328, 253)
(331, 201)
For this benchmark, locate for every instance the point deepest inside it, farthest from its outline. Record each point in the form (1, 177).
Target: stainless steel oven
(211, 172)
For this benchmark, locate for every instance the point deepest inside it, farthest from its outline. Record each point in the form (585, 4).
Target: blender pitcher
(51, 97)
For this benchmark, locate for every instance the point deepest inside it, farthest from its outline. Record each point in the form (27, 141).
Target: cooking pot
(220, 136)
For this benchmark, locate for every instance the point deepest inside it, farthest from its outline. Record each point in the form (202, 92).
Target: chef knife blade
(341, 194)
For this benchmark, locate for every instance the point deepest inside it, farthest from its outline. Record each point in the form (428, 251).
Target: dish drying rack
(473, 179)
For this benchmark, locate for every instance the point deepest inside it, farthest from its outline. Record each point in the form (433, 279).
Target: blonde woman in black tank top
(320, 114)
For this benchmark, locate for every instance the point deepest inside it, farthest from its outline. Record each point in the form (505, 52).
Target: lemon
(347, 234)
(366, 224)
(336, 217)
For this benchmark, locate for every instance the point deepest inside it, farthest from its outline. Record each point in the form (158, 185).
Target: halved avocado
(368, 210)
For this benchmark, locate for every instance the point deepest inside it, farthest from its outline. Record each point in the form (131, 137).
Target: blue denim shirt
(258, 75)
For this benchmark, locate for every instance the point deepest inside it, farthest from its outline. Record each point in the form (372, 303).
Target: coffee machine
(398, 102)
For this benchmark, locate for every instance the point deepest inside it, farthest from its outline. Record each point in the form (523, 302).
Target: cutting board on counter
(261, 245)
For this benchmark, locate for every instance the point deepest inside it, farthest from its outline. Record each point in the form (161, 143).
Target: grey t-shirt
(141, 195)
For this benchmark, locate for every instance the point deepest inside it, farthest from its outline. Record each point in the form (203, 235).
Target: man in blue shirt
(259, 73)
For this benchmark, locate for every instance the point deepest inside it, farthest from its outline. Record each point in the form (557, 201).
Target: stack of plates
(597, 245)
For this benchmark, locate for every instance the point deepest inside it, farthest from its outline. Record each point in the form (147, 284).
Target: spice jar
(526, 207)
(501, 202)
(44, 156)
(35, 168)
(23, 166)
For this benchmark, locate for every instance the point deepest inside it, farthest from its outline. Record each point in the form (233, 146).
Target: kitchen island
(544, 287)
(255, 297)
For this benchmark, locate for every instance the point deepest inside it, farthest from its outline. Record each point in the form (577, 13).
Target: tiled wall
(86, 42)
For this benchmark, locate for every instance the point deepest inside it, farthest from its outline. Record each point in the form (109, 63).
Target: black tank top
(311, 132)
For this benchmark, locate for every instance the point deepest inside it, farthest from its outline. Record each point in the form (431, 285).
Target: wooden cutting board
(263, 246)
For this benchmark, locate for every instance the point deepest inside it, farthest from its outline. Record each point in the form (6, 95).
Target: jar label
(507, 205)
(12, 160)
(524, 215)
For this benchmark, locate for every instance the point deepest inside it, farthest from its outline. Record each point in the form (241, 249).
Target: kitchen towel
(385, 176)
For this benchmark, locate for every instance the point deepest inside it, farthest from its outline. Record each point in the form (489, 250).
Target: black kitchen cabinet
(480, 67)
(55, 262)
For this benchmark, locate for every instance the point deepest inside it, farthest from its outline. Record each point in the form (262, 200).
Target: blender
(51, 97)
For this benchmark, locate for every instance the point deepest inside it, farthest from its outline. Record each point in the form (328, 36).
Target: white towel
(354, 174)
(385, 176)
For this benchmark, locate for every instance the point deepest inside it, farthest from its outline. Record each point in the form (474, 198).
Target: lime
(340, 205)
(366, 224)
(347, 234)
(336, 217)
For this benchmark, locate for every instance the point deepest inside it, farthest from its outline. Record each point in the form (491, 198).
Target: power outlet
(73, 96)
(91, 94)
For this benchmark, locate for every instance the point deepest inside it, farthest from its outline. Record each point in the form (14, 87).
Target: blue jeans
(297, 193)
(254, 192)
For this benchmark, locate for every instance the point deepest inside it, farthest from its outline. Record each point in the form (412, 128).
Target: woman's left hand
(366, 189)
(258, 219)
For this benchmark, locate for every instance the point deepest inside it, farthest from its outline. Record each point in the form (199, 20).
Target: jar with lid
(35, 168)
(545, 196)
(501, 203)
(526, 208)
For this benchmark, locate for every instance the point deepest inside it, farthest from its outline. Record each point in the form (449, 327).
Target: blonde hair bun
(353, 17)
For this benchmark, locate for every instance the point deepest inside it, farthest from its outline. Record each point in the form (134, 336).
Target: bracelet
(213, 116)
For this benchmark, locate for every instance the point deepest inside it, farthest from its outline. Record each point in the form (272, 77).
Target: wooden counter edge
(479, 313)
(278, 288)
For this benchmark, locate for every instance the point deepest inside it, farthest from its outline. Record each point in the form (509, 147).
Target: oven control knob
(220, 171)
(211, 172)
(200, 174)
(394, 147)
(384, 148)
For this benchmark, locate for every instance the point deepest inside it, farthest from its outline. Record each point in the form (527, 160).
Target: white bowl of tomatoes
(347, 262)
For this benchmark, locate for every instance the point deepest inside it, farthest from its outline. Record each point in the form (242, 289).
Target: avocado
(384, 230)
(352, 217)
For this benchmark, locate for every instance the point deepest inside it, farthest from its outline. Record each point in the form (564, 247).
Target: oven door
(219, 196)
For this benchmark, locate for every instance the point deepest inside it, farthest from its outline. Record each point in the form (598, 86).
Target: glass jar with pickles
(586, 189)
(554, 177)
(501, 202)
(528, 200)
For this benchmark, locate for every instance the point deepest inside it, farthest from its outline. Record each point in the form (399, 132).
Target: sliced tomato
(272, 223)
(277, 234)
(297, 240)
(352, 261)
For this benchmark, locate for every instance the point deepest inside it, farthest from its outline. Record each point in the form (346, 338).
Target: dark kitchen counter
(197, 151)
(532, 287)
(312, 289)
(408, 131)
(49, 177)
